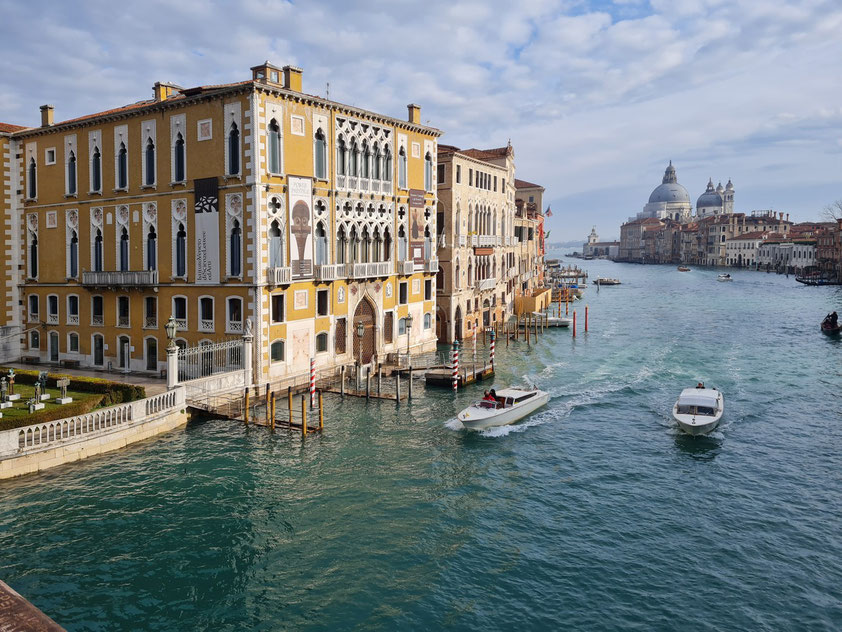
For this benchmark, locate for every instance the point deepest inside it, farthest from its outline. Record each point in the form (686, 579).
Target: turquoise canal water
(593, 515)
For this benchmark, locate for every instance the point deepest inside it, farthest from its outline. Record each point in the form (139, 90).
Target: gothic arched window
(274, 148)
(150, 163)
(71, 174)
(233, 150)
(178, 158)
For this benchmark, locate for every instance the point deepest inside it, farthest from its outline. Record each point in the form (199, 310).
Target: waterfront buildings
(596, 248)
(251, 202)
(490, 241)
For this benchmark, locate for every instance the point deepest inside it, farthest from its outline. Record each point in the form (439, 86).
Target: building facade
(251, 203)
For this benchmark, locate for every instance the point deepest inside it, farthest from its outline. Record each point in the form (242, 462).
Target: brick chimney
(413, 113)
(47, 115)
(292, 78)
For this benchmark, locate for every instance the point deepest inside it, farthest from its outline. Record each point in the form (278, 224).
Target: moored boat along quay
(399, 497)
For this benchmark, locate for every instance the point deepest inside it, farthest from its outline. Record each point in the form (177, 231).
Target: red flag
(549, 212)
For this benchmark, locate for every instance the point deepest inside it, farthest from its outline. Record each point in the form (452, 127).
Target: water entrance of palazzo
(364, 347)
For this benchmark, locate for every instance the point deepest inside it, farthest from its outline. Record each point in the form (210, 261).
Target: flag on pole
(549, 212)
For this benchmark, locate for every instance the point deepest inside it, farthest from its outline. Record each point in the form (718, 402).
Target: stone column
(172, 366)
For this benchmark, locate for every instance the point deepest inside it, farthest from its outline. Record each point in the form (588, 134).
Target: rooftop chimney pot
(413, 113)
(292, 78)
(47, 112)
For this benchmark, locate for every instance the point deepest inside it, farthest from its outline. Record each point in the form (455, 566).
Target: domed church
(669, 200)
(716, 201)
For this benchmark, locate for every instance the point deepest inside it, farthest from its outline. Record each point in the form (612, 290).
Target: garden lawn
(18, 415)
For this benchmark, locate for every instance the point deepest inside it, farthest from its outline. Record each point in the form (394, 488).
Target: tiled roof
(8, 127)
(757, 234)
(487, 154)
(447, 149)
(523, 184)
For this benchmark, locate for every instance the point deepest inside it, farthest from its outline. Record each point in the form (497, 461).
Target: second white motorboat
(698, 410)
(724, 277)
(510, 405)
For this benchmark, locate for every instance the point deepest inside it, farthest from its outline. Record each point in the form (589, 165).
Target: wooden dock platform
(467, 375)
(18, 615)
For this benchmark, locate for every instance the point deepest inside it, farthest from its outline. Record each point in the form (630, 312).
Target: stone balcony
(328, 272)
(279, 276)
(463, 240)
(369, 270)
(431, 266)
(119, 278)
(487, 284)
(405, 267)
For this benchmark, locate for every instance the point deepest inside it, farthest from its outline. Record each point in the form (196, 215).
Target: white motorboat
(602, 282)
(511, 405)
(698, 410)
(724, 277)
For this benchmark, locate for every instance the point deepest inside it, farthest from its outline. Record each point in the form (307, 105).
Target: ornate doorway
(366, 347)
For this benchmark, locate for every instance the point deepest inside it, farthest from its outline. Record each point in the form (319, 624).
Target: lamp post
(172, 353)
(408, 332)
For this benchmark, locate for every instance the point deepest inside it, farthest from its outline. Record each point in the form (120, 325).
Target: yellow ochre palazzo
(314, 220)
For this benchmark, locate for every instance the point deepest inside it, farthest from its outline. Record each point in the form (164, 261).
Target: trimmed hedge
(112, 392)
(51, 414)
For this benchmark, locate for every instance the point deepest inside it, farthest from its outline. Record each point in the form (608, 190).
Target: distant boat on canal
(683, 269)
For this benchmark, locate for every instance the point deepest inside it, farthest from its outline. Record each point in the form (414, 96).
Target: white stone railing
(326, 272)
(116, 278)
(49, 434)
(405, 267)
(73, 319)
(487, 240)
(463, 239)
(279, 276)
(431, 266)
(473, 241)
(387, 188)
(370, 270)
(340, 182)
(487, 284)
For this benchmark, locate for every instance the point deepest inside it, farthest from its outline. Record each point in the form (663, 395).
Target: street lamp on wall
(360, 334)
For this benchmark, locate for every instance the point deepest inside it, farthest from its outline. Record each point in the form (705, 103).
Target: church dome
(710, 197)
(669, 191)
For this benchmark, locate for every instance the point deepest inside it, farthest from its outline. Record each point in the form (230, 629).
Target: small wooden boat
(559, 321)
(509, 406)
(698, 410)
(829, 328)
(683, 269)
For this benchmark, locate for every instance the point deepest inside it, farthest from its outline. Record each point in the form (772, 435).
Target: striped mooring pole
(455, 365)
(312, 382)
(491, 352)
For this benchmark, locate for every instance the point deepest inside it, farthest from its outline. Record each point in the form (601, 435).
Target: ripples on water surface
(593, 514)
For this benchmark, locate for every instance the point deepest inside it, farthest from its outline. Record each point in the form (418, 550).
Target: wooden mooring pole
(321, 412)
(397, 386)
(409, 386)
(342, 380)
(289, 404)
(272, 423)
(246, 406)
(303, 416)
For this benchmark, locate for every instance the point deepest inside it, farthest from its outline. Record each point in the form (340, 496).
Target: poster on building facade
(416, 225)
(301, 227)
(206, 207)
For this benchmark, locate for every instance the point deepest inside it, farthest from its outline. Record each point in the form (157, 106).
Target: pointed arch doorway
(364, 347)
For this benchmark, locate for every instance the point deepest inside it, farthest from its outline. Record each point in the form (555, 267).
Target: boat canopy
(698, 397)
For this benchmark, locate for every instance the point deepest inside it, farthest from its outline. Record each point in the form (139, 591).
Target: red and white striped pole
(312, 382)
(455, 365)
(491, 353)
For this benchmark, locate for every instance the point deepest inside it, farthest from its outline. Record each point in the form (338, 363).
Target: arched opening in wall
(365, 346)
(124, 354)
(442, 325)
(486, 313)
(457, 323)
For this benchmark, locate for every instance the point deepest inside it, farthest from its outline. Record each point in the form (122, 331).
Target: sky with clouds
(596, 96)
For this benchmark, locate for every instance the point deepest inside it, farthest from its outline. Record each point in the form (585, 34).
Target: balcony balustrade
(123, 321)
(375, 186)
(205, 325)
(151, 322)
(487, 284)
(340, 182)
(369, 270)
(405, 267)
(463, 239)
(52, 319)
(181, 324)
(364, 184)
(431, 266)
(325, 272)
(97, 320)
(279, 276)
(235, 326)
(474, 241)
(387, 188)
(73, 319)
(352, 182)
(118, 278)
(33, 318)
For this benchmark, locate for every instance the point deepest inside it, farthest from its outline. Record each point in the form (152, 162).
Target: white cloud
(594, 96)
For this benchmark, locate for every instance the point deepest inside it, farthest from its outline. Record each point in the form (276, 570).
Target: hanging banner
(301, 227)
(416, 225)
(206, 206)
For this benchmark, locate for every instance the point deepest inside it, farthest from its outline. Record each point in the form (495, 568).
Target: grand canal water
(595, 514)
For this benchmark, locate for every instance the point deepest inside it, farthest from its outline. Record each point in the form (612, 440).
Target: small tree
(833, 211)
